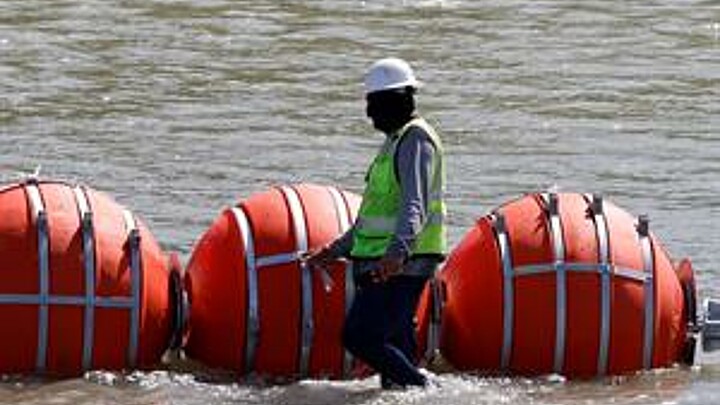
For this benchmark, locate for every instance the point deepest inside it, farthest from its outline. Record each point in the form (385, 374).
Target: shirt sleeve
(342, 246)
(414, 170)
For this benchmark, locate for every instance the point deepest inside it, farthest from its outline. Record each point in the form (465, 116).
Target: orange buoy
(561, 283)
(83, 284)
(254, 308)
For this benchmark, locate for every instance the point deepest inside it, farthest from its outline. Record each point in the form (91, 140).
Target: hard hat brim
(416, 84)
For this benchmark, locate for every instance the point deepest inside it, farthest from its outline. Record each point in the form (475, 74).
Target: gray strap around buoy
(643, 230)
(88, 249)
(498, 222)
(301, 242)
(558, 245)
(39, 216)
(252, 324)
(603, 241)
(133, 245)
(344, 219)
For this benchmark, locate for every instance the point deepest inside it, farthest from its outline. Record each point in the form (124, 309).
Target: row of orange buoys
(548, 283)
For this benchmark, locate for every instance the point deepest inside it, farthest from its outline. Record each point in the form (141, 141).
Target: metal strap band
(543, 268)
(88, 242)
(41, 224)
(603, 240)
(344, 220)
(301, 240)
(252, 325)
(498, 222)
(274, 260)
(555, 229)
(649, 267)
(133, 242)
(533, 269)
(630, 274)
(66, 300)
(343, 215)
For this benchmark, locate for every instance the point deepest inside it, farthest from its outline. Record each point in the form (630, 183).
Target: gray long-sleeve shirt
(414, 167)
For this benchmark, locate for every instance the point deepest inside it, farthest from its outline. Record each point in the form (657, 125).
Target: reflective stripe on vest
(376, 222)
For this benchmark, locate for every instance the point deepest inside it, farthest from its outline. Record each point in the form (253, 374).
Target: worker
(399, 237)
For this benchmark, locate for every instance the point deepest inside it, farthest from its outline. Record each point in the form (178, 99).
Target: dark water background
(178, 108)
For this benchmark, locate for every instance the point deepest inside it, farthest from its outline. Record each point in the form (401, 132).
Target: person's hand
(320, 259)
(317, 258)
(386, 268)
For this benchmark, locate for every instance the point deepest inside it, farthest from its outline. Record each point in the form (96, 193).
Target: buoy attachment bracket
(643, 225)
(596, 204)
(180, 304)
(438, 297)
(710, 325)
(552, 205)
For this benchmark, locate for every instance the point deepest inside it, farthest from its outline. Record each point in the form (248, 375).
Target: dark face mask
(390, 110)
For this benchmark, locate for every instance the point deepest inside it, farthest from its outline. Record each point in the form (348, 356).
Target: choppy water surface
(178, 108)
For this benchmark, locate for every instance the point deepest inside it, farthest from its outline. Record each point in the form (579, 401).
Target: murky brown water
(177, 108)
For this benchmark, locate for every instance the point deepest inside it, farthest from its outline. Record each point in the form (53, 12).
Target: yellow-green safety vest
(380, 207)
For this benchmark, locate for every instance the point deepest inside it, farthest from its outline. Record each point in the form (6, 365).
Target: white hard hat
(389, 73)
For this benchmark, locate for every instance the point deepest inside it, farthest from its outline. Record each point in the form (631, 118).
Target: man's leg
(380, 312)
(405, 340)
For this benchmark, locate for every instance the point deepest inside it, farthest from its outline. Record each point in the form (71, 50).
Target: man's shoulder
(417, 134)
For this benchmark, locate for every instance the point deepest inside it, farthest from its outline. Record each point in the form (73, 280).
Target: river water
(179, 108)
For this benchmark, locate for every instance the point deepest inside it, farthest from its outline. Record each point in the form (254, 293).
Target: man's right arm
(342, 246)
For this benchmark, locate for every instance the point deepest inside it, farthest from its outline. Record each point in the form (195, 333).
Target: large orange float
(254, 308)
(83, 284)
(561, 283)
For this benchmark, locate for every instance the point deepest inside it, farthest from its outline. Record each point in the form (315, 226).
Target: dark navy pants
(379, 328)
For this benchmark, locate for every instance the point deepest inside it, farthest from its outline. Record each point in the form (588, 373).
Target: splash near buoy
(255, 309)
(561, 283)
(83, 283)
